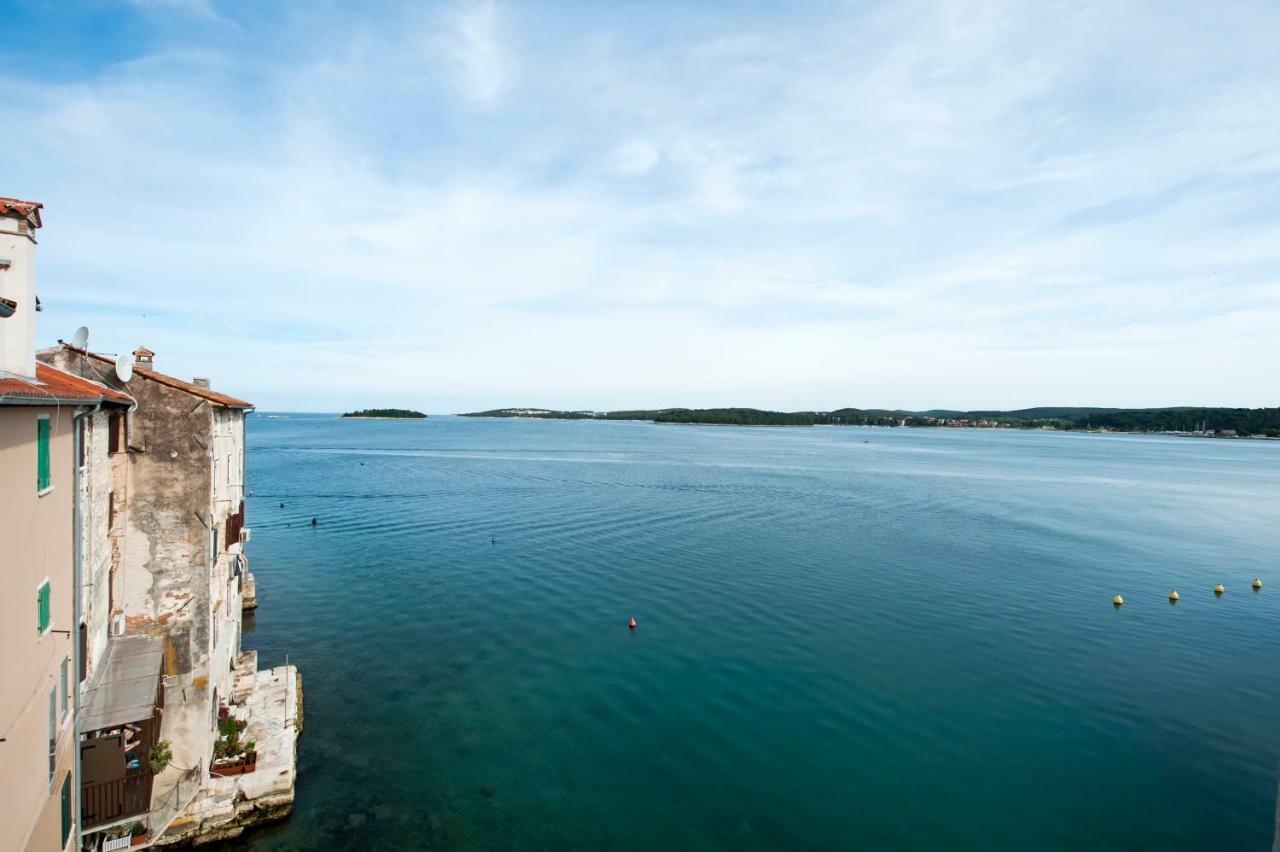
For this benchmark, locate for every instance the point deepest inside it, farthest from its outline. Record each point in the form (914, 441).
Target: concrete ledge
(225, 807)
(250, 599)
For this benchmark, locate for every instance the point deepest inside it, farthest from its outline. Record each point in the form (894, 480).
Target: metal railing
(165, 808)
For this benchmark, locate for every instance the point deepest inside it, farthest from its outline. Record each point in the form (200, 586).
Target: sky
(810, 205)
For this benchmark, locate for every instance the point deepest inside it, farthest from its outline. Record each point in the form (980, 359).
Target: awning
(125, 687)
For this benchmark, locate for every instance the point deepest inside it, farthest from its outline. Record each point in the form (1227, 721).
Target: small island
(387, 414)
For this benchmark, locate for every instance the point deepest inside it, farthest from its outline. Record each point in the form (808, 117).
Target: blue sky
(581, 205)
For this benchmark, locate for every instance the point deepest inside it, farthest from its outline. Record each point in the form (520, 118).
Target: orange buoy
(632, 624)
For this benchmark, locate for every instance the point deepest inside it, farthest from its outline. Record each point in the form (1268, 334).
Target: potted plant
(161, 756)
(138, 833)
(230, 756)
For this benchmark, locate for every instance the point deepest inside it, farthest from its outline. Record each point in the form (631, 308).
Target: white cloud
(480, 64)
(636, 157)
(986, 206)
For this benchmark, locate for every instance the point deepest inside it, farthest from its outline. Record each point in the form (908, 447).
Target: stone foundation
(250, 599)
(225, 807)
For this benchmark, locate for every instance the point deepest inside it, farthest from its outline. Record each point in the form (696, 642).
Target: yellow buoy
(1173, 595)
(1257, 584)
(1118, 600)
(1218, 589)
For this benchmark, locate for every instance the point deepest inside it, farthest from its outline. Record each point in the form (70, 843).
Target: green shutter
(42, 608)
(53, 732)
(42, 453)
(66, 664)
(66, 809)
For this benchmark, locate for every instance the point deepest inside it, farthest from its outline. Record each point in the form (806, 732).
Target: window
(111, 510)
(66, 673)
(53, 731)
(42, 608)
(83, 449)
(116, 433)
(42, 453)
(84, 651)
(66, 809)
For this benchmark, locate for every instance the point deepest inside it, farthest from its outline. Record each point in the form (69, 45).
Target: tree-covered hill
(1242, 421)
(388, 414)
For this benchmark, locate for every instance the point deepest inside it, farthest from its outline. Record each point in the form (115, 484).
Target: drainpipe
(77, 583)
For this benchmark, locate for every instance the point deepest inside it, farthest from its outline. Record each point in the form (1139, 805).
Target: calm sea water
(848, 638)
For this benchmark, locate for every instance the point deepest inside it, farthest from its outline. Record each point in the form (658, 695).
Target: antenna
(81, 338)
(124, 367)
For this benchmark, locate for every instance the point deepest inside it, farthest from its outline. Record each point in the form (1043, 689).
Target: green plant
(231, 727)
(137, 829)
(161, 755)
(251, 745)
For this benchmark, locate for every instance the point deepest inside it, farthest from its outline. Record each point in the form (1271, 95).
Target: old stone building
(181, 562)
(180, 574)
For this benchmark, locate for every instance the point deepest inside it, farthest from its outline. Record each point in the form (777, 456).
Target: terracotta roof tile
(29, 210)
(195, 390)
(55, 386)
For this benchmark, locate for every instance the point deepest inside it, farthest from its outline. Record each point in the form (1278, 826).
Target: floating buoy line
(1218, 591)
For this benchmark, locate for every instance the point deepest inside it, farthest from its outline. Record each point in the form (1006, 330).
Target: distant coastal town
(131, 716)
(1187, 421)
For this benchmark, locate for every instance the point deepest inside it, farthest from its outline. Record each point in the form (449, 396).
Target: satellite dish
(124, 367)
(81, 338)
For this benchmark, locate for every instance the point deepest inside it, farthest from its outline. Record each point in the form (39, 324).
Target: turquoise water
(848, 638)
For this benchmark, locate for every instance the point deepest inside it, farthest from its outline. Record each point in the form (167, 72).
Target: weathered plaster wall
(227, 495)
(168, 545)
(95, 543)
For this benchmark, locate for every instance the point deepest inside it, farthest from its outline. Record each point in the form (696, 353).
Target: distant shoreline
(1187, 421)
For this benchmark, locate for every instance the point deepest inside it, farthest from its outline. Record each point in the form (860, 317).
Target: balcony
(121, 725)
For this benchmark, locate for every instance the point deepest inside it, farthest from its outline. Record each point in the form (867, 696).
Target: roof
(29, 210)
(52, 386)
(125, 687)
(195, 390)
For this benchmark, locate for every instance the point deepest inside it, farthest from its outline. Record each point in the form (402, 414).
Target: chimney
(18, 305)
(142, 355)
(200, 383)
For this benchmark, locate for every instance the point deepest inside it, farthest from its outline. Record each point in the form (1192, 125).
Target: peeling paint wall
(169, 544)
(95, 543)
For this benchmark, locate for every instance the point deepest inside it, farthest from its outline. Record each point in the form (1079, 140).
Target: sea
(846, 638)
